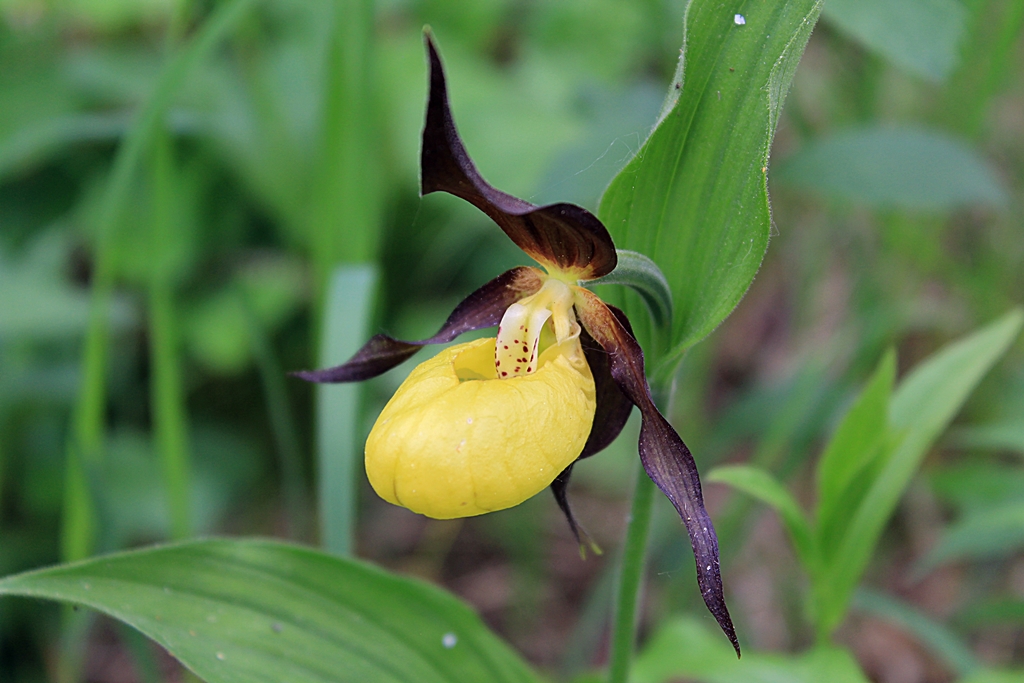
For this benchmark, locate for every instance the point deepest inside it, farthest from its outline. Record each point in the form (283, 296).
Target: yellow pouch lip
(450, 447)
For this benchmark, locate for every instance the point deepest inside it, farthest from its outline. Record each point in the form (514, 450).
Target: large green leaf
(685, 649)
(894, 167)
(923, 405)
(922, 36)
(695, 198)
(261, 611)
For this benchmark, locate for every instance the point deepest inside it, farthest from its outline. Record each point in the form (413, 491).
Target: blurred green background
(166, 252)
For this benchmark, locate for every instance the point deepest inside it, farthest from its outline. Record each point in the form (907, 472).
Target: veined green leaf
(262, 611)
(909, 168)
(685, 649)
(758, 483)
(923, 405)
(853, 448)
(694, 198)
(922, 36)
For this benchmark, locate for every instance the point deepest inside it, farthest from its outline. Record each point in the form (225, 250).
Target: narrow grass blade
(88, 419)
(348, 306)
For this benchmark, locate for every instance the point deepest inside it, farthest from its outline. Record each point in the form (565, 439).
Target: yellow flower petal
(455, 441)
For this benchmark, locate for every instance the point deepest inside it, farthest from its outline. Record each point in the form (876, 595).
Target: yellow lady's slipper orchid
(485, 425)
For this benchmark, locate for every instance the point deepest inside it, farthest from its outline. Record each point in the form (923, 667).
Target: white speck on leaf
(739, 19)
(220, 656)
(449, 640)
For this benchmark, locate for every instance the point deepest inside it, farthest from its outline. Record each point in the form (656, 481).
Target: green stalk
(634, 560)
(282, 424)
(167, 398)
(344, 229)
(168, 406)
(345, 207)
(349, 303)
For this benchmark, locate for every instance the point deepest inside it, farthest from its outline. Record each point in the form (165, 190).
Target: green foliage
(695, 195)
(684, 648)
(996, 531)
(263, 611)
(200, 168)
(869, 462)
(895, 168)
(922, 36)
(643, 275)
(940, 640)
(348, 305)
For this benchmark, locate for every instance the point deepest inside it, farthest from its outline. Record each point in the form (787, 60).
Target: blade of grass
(344, 208)
(166, 394)
(627, 596)
(88, 420)
(347, 309)
(282, 423)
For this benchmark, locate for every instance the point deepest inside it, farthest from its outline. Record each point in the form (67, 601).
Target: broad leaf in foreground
(258, 610)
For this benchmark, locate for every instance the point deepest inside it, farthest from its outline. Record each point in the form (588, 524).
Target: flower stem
(634, 558)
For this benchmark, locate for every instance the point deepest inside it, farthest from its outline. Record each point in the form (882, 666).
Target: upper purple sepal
(565, 236)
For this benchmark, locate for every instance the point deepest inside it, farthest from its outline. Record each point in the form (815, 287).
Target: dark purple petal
(562, 235)
(560, 487)
(613, 407)
(665, 457)
(483, 308)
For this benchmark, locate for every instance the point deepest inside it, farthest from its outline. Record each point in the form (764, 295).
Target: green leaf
(694, 198)
(684, 649)
(995, 532)
(643, 275)
(923, 405)
(904, 167)
(978, 485)
(995, 676)
(943, 643)
(922, 36)
(758, 483)
(348, 307)
(253, 611)
(1002, 436)
(855, 446)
